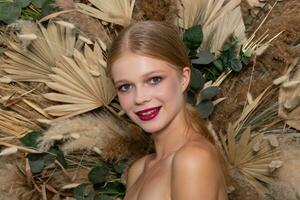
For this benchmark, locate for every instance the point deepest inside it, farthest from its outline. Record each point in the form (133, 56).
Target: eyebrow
(145, 75)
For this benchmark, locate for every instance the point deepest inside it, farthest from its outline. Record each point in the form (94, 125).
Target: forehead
(131, 66)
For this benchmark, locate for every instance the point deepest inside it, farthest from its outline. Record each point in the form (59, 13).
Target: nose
(142, 95)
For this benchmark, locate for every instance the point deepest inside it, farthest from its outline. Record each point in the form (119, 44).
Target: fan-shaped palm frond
(81, 83)
(253, 156)
(218, 31)
(37, 61)
(113, 11)
(219, 20)
(193, 12)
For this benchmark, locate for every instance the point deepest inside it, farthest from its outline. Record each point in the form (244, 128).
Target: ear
(185, 78)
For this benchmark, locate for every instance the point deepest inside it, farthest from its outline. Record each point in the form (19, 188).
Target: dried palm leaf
(248, 109)
(81, 83)
(252, 156)
(113, 11)
(14, 124)
(218, 31)
(35, 63)
(219, 20)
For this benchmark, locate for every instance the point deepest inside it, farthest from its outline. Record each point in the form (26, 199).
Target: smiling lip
(148, 114)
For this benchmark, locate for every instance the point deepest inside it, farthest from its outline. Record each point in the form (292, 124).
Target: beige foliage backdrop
(53, 80)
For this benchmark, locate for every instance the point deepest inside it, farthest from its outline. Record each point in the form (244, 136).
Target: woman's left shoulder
(197, 154)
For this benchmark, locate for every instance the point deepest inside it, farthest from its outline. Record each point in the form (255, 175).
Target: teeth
(147, 113)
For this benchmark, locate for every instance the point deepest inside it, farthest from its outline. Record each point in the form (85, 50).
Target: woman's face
(150, 91)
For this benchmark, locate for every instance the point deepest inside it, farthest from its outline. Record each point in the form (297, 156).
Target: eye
(124, 88)
(155, 80)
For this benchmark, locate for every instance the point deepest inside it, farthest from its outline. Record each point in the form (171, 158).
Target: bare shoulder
(197, 173)
(135, 170)
(200, 152)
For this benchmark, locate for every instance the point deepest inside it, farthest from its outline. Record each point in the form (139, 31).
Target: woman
(150, 68)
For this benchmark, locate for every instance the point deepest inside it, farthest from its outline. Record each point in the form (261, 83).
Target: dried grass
(13, 180)
(89, 25)
(163, 10)
(240, 188)
(94, 132)
(289, 172)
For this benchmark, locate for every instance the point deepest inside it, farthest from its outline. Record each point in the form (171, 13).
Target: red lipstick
(148, 114)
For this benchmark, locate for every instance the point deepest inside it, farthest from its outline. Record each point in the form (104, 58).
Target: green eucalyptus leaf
(226, 46)
(98, 174)
(113, 188)
(191, 97)
(219, 65)
(31, 139)
(205, 108)
(9, 12)
(91, 196)
(80, 192)
(245, 60)
(209, 93)
(104, 197)
(36, 162)
(39, 3)
(58, 155)
(236, 65)
(120, 166)
(197, 80)
(45, 6)
(204, 58)
(193, 37)
(23, 3)
(231, 53)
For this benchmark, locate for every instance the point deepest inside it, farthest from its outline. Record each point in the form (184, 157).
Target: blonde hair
(161, 41)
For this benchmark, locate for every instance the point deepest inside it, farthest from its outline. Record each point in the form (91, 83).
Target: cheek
(170, 91)
(125, 101)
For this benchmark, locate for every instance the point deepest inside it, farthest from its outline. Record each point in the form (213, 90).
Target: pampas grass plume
(102, 133)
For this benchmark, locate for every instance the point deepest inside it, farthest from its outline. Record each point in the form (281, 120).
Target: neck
(172, 137)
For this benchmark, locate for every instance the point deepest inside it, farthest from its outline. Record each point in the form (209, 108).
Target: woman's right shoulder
(135, 170)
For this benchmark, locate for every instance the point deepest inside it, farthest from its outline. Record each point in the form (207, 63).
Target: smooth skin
(185, 165)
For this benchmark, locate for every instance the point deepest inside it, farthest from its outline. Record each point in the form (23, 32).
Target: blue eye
(155, 80)
(124, 88)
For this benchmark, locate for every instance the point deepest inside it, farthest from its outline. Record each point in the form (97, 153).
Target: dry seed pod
(290, 84)
(70, 186)
(84, 39)
(65, 24)
(256, 146)
(75, 135)
(5, 80)
(9, 151)
(273, 140)
(56, 137)
(292, 103)
(275, 164)
(30, 36)
(280, 80)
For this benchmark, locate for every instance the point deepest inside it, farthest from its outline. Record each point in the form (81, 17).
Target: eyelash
(121, 87)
